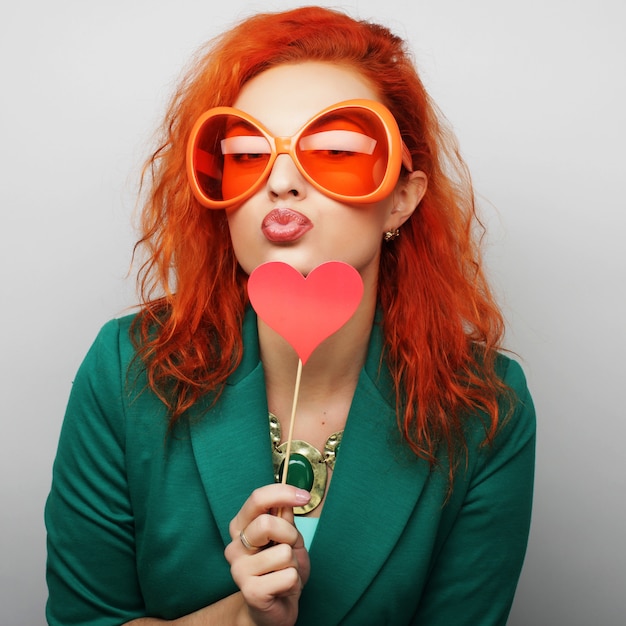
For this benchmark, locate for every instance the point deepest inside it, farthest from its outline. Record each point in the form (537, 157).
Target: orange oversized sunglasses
(351, 151)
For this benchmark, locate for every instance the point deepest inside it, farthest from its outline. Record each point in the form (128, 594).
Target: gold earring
(390, 235)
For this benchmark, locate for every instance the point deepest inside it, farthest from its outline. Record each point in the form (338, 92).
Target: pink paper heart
(305, 311)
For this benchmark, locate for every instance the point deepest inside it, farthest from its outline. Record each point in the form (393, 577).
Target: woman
(164, 502)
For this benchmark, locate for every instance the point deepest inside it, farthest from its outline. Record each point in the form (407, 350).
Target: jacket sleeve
(474, 576)
(91, 571)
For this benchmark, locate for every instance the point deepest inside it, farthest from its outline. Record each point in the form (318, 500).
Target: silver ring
(246, 544)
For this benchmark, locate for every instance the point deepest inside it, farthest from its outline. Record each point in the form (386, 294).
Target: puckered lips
(285, 225)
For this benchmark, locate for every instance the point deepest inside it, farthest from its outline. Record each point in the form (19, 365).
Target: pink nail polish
(302, 496)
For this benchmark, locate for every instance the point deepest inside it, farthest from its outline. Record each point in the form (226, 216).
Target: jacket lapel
(376, 485)
(230, 440)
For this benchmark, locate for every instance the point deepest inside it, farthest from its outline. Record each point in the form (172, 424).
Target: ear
(406, 197)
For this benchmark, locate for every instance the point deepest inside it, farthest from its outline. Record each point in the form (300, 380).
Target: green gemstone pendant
(300, 472)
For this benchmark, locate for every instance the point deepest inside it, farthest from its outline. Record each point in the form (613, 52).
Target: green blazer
(138, 520)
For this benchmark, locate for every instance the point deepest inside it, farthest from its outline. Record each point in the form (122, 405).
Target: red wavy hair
(441, 334)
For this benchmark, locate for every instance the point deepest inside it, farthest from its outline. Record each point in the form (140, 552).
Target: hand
(273, 571)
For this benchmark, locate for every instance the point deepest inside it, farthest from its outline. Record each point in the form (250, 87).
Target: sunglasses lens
(345, 151)
(230, 157)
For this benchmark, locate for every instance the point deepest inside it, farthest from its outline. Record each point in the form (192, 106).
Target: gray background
(536, 93)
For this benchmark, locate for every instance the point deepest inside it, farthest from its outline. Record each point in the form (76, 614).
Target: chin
(300, 261)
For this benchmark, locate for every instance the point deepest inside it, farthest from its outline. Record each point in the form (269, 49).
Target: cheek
(377, 215)
(242, 235)
(241, 223)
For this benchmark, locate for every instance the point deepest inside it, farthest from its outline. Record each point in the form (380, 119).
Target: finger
(262, 532)
(261, 592)
(250, 546)
(275, 558)
(263, 501)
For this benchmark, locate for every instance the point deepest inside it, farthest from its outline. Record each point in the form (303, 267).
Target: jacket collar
(230, 439)
(233, 454)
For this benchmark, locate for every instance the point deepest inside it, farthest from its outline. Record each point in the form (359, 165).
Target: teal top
(307, 527)
(137, 518)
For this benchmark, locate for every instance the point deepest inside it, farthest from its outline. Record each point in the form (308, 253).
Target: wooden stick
(292, 421)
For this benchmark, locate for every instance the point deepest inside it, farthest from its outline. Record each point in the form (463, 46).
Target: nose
(285, 180)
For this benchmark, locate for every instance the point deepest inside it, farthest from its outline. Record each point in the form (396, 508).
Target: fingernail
(302, 496)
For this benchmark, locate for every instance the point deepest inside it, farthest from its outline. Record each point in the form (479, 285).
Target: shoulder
(110, 398)
(116, 334)
(113, 347)
(510, 372)
(517, 419)
(105, 368)
(518, 401)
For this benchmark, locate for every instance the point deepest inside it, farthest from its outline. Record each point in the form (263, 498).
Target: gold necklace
(308, 467)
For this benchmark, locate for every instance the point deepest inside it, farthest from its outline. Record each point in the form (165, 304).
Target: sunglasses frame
(398, 154)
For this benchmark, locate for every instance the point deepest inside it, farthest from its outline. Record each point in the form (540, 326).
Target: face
(288, 219)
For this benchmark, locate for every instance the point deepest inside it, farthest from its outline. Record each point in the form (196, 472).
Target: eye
(336, 153)
(338, 143)
(247, 157)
